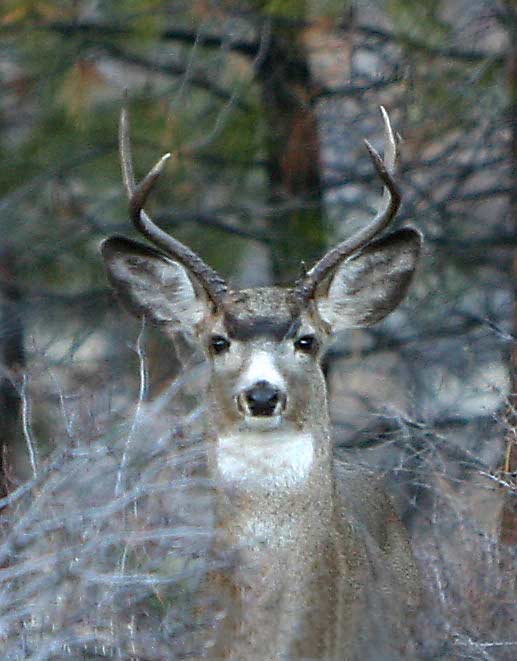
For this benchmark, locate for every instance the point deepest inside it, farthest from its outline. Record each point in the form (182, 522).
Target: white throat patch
(275, 459)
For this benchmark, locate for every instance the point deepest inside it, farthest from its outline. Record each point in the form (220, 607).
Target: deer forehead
(263, 313)
(265, 301)
(260, 312)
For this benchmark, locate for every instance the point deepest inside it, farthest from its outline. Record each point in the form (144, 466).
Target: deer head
(263, 345)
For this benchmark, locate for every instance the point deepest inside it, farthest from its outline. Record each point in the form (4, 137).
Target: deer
(322, 567)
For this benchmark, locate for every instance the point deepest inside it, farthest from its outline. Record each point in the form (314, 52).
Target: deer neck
(272, 485)
(273, 517)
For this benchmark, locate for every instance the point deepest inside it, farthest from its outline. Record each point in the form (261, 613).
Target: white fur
(261, 423)
(274, 459)
(261, 368)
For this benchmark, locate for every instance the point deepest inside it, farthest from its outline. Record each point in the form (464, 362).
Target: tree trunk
(293, 152)
(12, 364)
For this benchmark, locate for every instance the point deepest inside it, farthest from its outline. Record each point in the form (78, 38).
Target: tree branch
(172, 69)
(179, 35)
(404, 39)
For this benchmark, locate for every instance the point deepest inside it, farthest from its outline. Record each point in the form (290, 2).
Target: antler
(305, 287)
(212, 282)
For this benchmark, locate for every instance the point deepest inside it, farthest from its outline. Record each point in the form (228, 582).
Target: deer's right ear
(152, 285)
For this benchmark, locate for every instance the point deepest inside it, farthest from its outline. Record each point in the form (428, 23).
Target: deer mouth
(261, 423)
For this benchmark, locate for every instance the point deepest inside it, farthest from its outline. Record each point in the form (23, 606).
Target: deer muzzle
(263, 399)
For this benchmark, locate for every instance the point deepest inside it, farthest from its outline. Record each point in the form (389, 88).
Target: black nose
(262, 398)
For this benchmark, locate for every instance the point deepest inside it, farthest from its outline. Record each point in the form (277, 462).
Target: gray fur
(322, 565)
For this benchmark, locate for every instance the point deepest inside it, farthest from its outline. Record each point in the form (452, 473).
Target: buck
(322, 567)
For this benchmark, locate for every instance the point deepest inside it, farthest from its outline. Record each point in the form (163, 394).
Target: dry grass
(104, 548)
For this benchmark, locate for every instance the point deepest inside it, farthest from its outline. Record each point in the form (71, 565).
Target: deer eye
(219, 344)
(306, 343)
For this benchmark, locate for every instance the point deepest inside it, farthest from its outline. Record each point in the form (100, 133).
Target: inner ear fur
(150, 284)
(365, 288)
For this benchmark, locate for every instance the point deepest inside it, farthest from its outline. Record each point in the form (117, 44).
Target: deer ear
(366, 287)
(152, 285)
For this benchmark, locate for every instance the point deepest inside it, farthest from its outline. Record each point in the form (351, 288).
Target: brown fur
(335, 579)
(316, 562)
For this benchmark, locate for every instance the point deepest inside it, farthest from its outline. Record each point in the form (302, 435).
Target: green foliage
(420, 19)
(285, 8)
(446, 87)
(67, 153)
(17, 11)
(321, 9)
(70, 88)
(242, 136)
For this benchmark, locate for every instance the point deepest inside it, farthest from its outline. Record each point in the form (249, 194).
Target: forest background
(264, 105)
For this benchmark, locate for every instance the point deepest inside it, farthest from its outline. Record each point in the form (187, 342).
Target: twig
(142, 391)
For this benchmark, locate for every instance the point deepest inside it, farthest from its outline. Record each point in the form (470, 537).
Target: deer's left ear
(365, 288)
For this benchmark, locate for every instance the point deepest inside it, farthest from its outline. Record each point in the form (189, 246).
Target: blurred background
(264, 104)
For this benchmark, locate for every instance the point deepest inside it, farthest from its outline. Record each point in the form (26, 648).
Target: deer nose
(263, 399)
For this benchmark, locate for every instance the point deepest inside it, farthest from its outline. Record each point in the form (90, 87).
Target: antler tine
(390, 145)
(305, 288)
(126, 159)
(212, 282)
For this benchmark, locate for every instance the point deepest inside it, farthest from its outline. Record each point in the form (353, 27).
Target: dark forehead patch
(249, 328)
